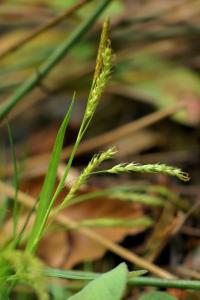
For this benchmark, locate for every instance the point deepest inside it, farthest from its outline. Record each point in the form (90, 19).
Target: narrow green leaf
(118, 192)
(20, 236)
(109, 286)
(71, 274)
(15, 180)
(97, 88)
(139, 197)
(45, 204)
(84, 275)
(137, 273)
(117, 222)
(3, 210)
(157, 296)
(135, 278)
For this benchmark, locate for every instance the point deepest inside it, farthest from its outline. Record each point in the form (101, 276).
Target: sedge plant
(22, 266)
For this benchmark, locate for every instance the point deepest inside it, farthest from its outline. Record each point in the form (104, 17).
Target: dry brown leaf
(55, 248)
(70, 248)
(81, 248)
(65, 248)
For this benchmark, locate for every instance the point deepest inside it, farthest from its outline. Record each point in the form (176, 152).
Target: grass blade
(71, 274)
(102, 71)
(15, 180)
(48, 186)
(133, 194)
(85, 275)
(117, 222)
(21, 233)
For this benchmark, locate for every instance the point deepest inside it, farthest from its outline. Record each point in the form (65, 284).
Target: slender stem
(165, 283)
(58, 190)
(56, 56)
(136, 281)
(43, 28)
(112, 192)
(15, 181)
(67, 169)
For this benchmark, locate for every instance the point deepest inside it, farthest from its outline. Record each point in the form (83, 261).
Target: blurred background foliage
(156, 46)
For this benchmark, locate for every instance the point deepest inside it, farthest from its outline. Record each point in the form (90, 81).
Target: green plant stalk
(20, 236)
(101, 74)
(3, 210)
(109, 192)
(45, 199)
(123, 193)
(144, 222)
(59, 188)
(69, 163)
(32, 245)
(165, 283)
(41, 224)
(99, 81)
(136, 281)
(82, 179)
(15, 181)
(56, 56)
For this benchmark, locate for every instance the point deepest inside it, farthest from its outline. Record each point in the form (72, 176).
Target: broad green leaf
(109, 286)
(157, 296)
(59, 292)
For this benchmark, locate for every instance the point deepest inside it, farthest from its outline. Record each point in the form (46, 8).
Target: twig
(184, 271)
(117, 249)
(192, 231)
(43, 28)
(56, 56)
